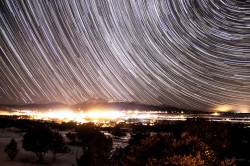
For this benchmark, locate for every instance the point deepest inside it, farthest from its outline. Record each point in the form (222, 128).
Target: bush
(11, 149)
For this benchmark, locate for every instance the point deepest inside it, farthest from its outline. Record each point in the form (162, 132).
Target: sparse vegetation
(191, 142)
(11, 149)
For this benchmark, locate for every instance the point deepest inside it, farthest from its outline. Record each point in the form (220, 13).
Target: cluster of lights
(107, 116)
(81, 117)
(95, 115)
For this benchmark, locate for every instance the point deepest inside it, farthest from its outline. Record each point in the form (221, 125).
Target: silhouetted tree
(86, 132)
(145, 147)
(58, 145)
(96, 147)
(72, 137)
(85, 159)
(240, 143)
(38, 140)
(11, 149)
(118, 156)
(116, 131)
(137, 137)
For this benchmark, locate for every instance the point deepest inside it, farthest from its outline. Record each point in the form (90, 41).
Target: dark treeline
(14, 121)
(191, 142)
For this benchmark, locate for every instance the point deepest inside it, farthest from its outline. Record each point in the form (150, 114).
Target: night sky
(185, 53)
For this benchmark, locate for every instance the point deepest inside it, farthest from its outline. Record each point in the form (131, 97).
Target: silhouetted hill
(102, 104)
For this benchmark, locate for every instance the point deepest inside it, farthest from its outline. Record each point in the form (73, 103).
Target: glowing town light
(215, 114)
(96, 114)
(61, 114)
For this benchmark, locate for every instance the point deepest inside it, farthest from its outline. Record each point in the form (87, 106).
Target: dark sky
(185, 53)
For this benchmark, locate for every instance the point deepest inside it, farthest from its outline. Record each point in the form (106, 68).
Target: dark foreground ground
(195, 141)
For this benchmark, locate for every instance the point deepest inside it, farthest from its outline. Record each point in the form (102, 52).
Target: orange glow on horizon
(223, 108)
(96, 115)
(69, 115)
(236, 109)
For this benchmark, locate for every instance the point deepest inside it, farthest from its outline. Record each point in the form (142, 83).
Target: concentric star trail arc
(185, 53)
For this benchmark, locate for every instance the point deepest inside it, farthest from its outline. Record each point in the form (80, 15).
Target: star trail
(184, 53)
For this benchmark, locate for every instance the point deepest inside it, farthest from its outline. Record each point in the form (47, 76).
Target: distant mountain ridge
(101, 104)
